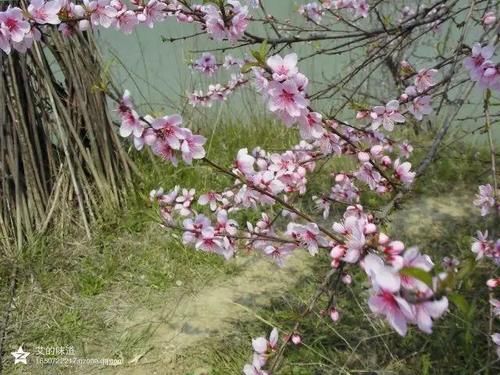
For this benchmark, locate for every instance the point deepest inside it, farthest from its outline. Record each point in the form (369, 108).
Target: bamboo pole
(54, 115)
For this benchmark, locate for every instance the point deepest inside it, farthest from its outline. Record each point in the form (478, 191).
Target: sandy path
(188, 319)
(210, 312)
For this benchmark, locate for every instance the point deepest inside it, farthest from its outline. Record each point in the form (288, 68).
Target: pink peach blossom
(426, 312)
(286, 98)
(387, 116)
(485, 199)
(403, 172)
(425, 79)
(13, 25)
(45, 12)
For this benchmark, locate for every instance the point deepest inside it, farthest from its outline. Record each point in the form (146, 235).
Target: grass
(71, 291)
(88, 294)
(438, 215)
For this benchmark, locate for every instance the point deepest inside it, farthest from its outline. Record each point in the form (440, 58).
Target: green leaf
(459, 301)
(418, 273)
(261, 53)
(248, 66)
(466, 268)
(357, 106)
(256, 54)
(449, 282)
(264, 49)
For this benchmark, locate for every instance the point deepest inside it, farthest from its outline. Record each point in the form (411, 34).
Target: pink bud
(403, 97)
(296, 339)
(363, 156)
(493, 283)
(362, 115)
(377, 149)
(337, 252)
(347, 279)
(340, 177)
(489, 18)
(386, 160)
(383, 239)
(397, 246)
(405, 64)
(381, 189)
(335, 263)
(334, 314)
(490, 72)
(370, 228)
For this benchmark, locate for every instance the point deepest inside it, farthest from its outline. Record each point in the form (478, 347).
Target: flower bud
(383, 239)
(347, 279)
(493, 283)
(489, 18)
(334, 314)
(363, 156)
(337, 252)
(296, 339)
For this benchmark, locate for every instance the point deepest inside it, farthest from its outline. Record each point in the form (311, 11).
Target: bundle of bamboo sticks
(59, 151)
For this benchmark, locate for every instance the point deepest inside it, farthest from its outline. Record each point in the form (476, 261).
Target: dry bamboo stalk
(49, 120)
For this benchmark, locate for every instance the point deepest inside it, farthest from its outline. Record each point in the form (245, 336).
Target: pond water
(156, 71)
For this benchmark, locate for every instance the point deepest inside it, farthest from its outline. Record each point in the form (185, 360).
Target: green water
(156, 71)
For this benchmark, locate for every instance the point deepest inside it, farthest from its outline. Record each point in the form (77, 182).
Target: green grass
(72, 291)
(442, 222)
(87, 293)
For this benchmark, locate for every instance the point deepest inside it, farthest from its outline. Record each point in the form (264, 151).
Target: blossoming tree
(406, 287)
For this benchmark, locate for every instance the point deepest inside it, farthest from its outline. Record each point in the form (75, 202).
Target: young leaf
(256, 54)
(459, 301)
(418, 273)
(248, 67)
(264, 49)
